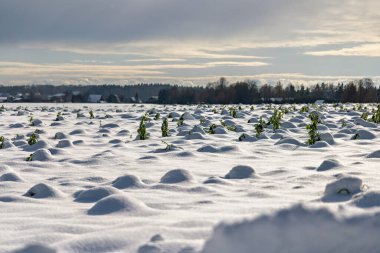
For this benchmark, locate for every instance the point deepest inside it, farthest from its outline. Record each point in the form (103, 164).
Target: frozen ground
(92, 187)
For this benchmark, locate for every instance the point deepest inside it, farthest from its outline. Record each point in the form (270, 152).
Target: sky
(188, 42)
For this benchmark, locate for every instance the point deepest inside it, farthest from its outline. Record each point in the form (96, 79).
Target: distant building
(94, 98)
(3, 99)
(319, 102)
(57, 98)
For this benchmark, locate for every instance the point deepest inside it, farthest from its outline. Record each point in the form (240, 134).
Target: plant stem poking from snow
(92, 115)
(2, 139)
(259, 127)
(275, 119)
(142, 134)
(314, 135)
(165, 128)
(32, 139)
(376, 115)
(29, 158)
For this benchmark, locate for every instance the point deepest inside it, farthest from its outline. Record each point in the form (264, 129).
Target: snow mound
(297, 230)
(365, 123)
(64, 144)
(36, 122)
(213, 149)
(42, 155)
(289, 141)
(177, 176)
(60, 135)
(287, 125)
(95, 194)
(320, 144)
(39, 145)
(127, 181)
(187, 116)
(117, 203)
(194, 136)
(77, 131)
(365, 135)
(327, 137)
(368, 200)
(215, 180)
(43, 191)
(35, 248)
(110, 125)
(11, 176)
(7, 144)
(220, 130)
(375, 154)
(329, 164)
(240, 172)
(149, 248)
(345, 185)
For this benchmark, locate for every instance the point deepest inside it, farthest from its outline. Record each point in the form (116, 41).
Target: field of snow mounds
(263, 178)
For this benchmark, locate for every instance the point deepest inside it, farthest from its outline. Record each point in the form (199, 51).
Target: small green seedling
(242, 137)
(33, 139)
(275, 119)
(355, 136)
(364, 115)
(376, 115)
(304, 108)
(29, 158)
(180, 121)
(31, 121)
(165, 128)
(312, 128)
(59, 115)
(157, 116)
(142, 134)
(2, 139)
(211, 129)
(233, 112)
(92, 116)
(259, 127)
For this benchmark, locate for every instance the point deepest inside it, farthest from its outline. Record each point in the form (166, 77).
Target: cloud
(119, 40)
(208, 20)
(368, 50)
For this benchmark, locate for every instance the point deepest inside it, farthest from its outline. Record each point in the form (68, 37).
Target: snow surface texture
(91, 186)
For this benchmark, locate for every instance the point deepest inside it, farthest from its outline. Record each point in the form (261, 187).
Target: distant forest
(219, 92)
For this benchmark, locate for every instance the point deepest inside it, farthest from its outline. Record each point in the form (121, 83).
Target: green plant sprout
(142, 134)
(233, 112)
(2, 139)
(259, 127)
(314, 135)
(33, 139)
(165, 128)
(275, 119)
(211, 129)
(29, 158)
(376, 115)
(92, 116)
(364, 115)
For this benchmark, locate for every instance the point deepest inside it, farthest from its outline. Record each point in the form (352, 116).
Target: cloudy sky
(188, 41)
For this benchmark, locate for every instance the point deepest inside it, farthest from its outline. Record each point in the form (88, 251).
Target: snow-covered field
(92, 187)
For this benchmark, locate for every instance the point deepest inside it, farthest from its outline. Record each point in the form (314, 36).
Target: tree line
(249, 92)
